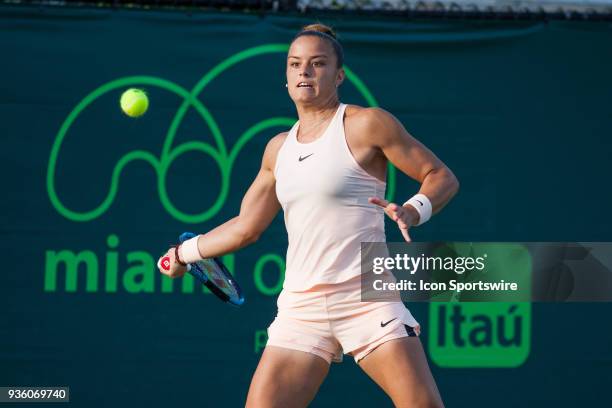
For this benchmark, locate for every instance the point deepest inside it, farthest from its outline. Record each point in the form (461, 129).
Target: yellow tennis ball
(134, 102)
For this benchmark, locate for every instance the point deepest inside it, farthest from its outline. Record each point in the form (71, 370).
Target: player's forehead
(308, 47)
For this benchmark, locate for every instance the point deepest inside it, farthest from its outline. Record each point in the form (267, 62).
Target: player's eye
(294, 64)
(318, 64)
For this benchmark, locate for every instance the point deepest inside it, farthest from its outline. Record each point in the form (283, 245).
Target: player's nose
(305, 72)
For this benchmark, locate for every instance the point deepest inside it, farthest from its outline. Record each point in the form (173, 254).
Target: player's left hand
(404, 217)
(168, 265)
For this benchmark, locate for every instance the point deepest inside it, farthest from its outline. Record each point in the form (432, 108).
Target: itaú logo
(162, 162)
(478, 334)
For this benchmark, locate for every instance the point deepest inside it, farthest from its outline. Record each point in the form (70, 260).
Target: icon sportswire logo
(223, 156)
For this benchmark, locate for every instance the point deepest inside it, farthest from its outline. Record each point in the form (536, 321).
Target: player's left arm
(438, 183)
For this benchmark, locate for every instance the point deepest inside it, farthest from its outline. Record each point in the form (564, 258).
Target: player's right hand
(168, 265)
(404, 217)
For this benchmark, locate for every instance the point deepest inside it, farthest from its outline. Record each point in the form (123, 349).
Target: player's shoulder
(272, 148)
(275, 143)
(369, 121)
(368, 116)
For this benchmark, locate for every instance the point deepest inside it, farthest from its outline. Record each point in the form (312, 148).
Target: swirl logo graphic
(161, 164)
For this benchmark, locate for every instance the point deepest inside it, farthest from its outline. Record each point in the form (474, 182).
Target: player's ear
(340, 77)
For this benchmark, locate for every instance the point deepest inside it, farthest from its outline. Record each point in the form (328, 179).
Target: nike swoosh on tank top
(324, 195)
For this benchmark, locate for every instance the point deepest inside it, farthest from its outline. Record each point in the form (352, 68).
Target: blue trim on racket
(215, 276)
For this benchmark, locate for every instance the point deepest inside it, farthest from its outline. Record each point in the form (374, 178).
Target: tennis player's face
(311, 70)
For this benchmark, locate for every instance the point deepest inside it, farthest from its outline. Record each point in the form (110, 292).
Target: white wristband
(189, 252)
(422, 205)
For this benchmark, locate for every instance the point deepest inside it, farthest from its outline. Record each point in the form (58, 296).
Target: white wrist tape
(189, 252)
(421, 203)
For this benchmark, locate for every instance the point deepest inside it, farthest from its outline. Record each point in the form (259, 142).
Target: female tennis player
(328, 175)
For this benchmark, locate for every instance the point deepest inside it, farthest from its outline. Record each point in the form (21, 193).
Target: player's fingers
(381, 202)
(401, 224)
(399, 211)
(394, 211)
(405, 234)
(405, 218)
(393, 214)
(394, 207)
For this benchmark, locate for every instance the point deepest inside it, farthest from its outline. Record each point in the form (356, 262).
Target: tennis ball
(134, 102)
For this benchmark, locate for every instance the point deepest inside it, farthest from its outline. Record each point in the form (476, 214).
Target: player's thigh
(286, 378)
(400, 368)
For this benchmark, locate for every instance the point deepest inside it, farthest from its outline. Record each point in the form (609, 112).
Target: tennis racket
(214, 275)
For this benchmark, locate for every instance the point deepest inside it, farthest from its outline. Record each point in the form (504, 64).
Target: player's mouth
(304, 85)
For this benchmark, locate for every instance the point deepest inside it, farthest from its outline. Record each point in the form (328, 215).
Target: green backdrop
(519, 110)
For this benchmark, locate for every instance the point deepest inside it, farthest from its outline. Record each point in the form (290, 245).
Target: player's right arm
(259, 207)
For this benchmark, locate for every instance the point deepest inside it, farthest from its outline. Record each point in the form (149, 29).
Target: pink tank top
(324, 195)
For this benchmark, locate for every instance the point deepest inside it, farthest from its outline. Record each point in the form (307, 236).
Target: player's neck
(312, 116)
